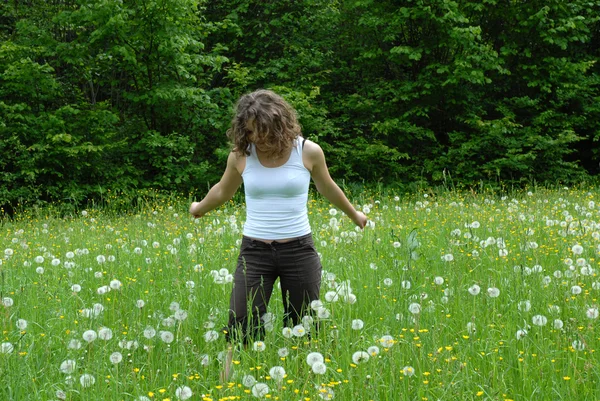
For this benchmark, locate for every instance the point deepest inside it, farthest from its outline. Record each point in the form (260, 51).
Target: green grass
(423, 254)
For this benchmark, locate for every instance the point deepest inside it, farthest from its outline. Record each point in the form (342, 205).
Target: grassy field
(458, 296)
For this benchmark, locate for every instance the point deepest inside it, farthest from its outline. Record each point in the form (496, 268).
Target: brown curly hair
(274, 122)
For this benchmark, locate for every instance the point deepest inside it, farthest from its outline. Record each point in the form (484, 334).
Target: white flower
(7, 301)
(357, 324)
(524, 306)
(103, 290)
(8, 252)
(408, 371)
(396, 244)
(323, 313)
(471, 328)
(493, 292)
(39, 270)
(140, 303)
(39, 259)
(74, 344)
(248, 381)
(298, 331)
(414, 308)
(283, 352)
(68, 366)
(474, 289)
(313, 358)
(55, 262)
(592, 313)
(167, 336)
(448, 257)
(316, 304)
(100, 259)
(326, 393)
(87, 380)
(558, 324)
(21, 324)
(332, 212)
(183, 392)
(578, 345)
(387, 282)
(277, 373)
(149, 332)
(319, 368)
(116, 357)
(360, 357)
(115, 284)
(387, 341)
(180, 315)
(90, 335)
(105, 333)
(539, 320)
(576, 290)
(438, 280)
(259, 346)
(373, 350)
(6, 348)
(577, 249)
(475, 224)
(331, 296)
(406, 285)
(75, 288)
(259, 390)
(521, 333)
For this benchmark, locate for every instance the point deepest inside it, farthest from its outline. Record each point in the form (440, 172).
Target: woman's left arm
(315, 163)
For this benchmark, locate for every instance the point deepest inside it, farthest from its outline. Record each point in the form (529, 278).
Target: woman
(276, 164)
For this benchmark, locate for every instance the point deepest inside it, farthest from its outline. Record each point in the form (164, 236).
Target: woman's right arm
(222, 191)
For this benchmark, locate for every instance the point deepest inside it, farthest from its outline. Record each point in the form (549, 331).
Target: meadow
(452, 296)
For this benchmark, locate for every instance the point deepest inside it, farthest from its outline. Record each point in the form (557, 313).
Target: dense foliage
(98, 94)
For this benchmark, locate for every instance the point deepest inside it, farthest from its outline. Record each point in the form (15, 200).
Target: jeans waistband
(276, 244)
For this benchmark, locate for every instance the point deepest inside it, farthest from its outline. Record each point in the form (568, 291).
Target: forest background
(123, 95)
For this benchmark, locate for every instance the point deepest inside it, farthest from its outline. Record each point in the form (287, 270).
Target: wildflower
(90, 336)
(39, 259)
(183, 392)
(319, 368)
(167, 336)
(521, 333)
(438, 280)
(448, 257)
(414, 308)
(406, 285)
(8, 301)
(558, 324)
(373, 350)
(592, 313)
(115, 284)
(259, 346)
(8, 252)
(387, 341)
(287, 332)
(68, 366)
(297, 331)
(471, 328)
(248, 381)
(39, 270)
(474, 289)
(282, 352)
(149, 332)
(578, 345)
(493, 292)
(76, 288)
(524, 306)
(259, 390)
(140, 303)
(357, 324)
(387, 282)
(87, 380)
(6, 348)
(576, 290)
(21, 324)
(360, 357)
(100, 259)
(313, 358)
(326, 393)
(74, 344)
(180, 315)
(396, 244)
(55, 262)
(105, 333)
(323, 313)
(331, 296)
(408, 371)
(577, 249)
(539, 320)
(116, 357)
(277, 373)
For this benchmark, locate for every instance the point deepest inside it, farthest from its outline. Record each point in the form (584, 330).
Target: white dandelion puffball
(448, 257)
(438, 280)
(287, 332)
(558, 324)
(331, 296)
(577, 249)
(149, 332)
(68, 366)
(21, 324)
(105, 333)
(89, 335)
(474, 289)
(183, 392)
(74, 344)
(8, 302)
(259, 390)
(39, 270)
(55, 262)
(283, 352)
(471, 328)
(259, 346)
(576, 290)
(211, 336)
(314, 357)
(521, 334)
(357, 324)
(39, 259)
(319, 368)
(578, 345)
(360, 357)
(180, 315)
(493, 292)
(524, 306)
(277, 373)
(539, 320)
(414, 308)
(373, 350)
(167, 336)
(406, 285)
(408, 371)
(100, 259)
(332, 212)
(116, 357)
(592, 313)
(140, 303)
(87, 380)
(297, 331)
(248, 381)
(6, 348)
(76, 288)
(388, 282)
(115, 284)
(387, 341)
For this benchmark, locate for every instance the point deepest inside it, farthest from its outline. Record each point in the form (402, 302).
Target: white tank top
(276, 198)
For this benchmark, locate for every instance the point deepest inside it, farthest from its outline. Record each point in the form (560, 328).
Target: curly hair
(274, 122)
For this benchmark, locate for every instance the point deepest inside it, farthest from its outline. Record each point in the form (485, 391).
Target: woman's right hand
(194, 210)
(360, 219)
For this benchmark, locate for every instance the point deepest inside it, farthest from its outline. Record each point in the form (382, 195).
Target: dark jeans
(259, 264)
